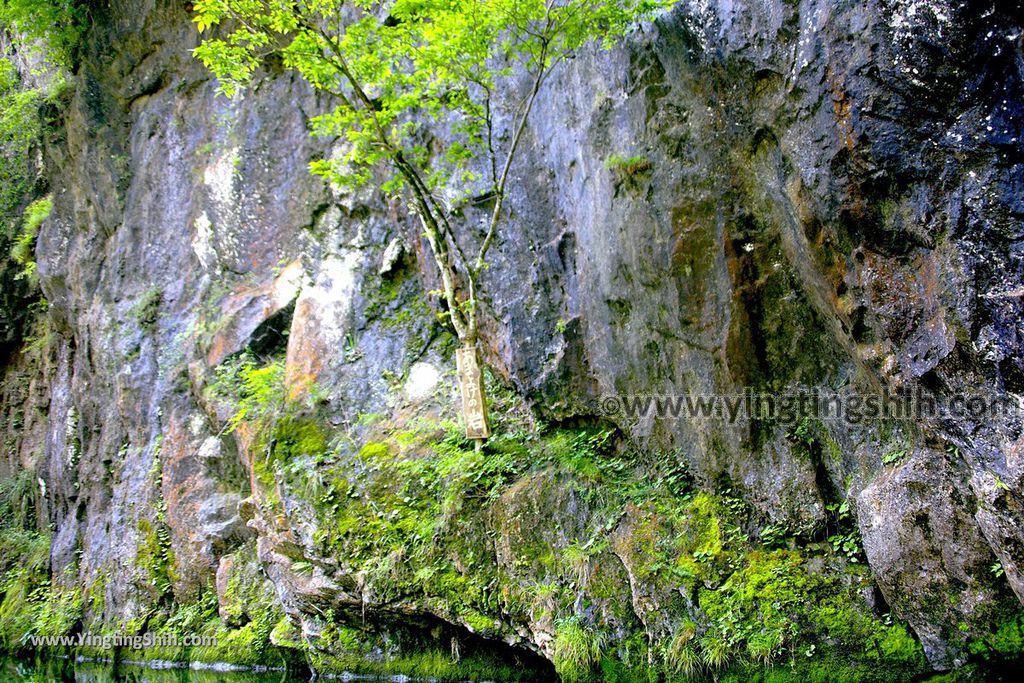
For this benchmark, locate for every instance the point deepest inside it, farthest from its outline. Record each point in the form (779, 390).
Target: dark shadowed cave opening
(270, 338)
(404, 635)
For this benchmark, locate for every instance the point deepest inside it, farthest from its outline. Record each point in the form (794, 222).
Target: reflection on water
(47, 670)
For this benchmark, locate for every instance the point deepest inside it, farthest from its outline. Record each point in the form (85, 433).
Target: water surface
(64, 670)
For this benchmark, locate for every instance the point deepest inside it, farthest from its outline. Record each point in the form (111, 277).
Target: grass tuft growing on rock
(576, 650)
(682, 657)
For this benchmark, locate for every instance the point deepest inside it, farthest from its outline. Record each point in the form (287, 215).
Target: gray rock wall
(830, 196)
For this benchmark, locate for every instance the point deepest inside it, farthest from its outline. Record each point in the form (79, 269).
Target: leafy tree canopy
(38, 41)
(398, 66)
(58, 24)
(393, 64)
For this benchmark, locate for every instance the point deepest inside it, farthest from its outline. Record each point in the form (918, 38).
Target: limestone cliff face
(829, 196)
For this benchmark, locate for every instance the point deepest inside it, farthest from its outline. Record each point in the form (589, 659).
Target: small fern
(24, 250)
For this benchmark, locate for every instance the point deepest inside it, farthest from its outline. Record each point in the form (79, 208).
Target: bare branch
(517, 135)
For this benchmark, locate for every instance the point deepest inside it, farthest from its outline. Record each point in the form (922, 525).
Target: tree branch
(514, 145)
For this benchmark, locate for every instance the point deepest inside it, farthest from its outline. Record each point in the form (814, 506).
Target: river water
(70, 671)
(63, 670)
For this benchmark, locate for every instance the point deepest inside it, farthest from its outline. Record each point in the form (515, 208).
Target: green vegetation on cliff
(54, 27)
(648, 576)
(32, 602)
(38, 39)
(23, 251)
(19, 130)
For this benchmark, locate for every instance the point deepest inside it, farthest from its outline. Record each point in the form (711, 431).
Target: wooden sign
(471, 385)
